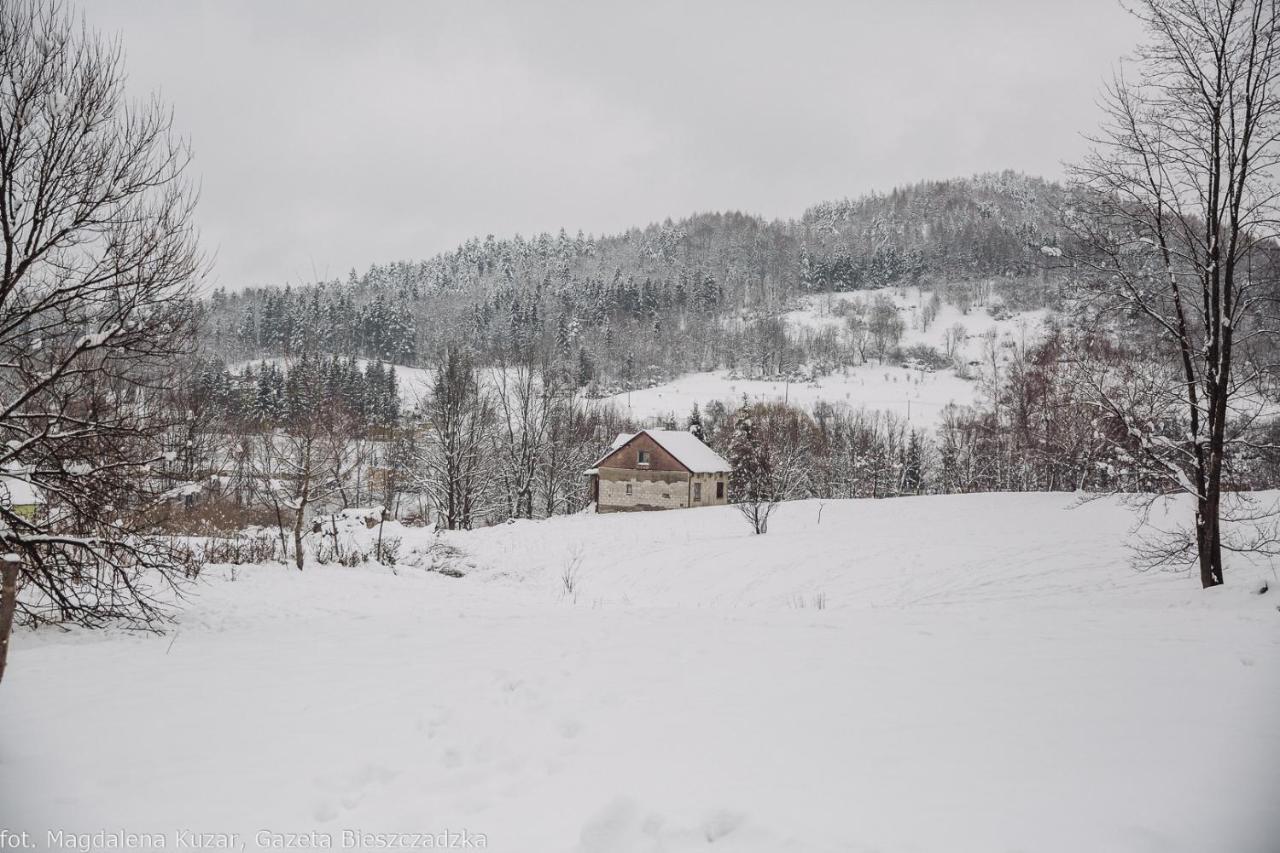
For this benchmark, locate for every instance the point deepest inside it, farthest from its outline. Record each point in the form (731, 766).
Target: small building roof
(686, 447)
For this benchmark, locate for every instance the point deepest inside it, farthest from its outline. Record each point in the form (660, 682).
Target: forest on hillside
(629, 309)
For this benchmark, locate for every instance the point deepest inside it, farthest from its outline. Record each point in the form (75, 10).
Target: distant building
(19, 496)
(658, 469)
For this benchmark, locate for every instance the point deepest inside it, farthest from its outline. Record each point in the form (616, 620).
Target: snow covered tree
(1176, 230)
(751, 484)
(305, 465)
(524, 399)
(884, 326)
(695, 423)
(912, 465)
(99, 261)
(460, 422)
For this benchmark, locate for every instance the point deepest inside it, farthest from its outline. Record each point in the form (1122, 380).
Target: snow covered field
(913, 394)
(827, 310)
(916, 395)
(963, 673)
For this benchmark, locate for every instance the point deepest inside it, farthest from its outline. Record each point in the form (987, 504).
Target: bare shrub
(241, 548)
(570, 575)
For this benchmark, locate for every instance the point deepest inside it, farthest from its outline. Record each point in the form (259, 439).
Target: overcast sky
(332, 135)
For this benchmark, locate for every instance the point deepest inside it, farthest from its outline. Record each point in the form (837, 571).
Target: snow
(828, 310)
(961, 673)
(915, 395)
(96, 339)
(20, 490)
(686, 447)
(184, 490)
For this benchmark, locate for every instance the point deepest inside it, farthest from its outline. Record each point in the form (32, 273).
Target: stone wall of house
(649, 490)
(708, 483)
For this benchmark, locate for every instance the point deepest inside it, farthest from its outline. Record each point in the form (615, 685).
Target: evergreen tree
(751, 483)
(695, 423)
(586, 370)
(911, 465)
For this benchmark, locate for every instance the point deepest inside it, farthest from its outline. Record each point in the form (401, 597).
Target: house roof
(686, 447)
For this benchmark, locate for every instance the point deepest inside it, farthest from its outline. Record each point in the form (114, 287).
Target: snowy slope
(826, 310)
(963, 673)
(915, 395)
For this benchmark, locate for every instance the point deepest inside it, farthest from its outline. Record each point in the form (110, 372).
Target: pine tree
(695, 424)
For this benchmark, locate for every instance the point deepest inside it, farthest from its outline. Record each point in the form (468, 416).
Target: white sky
(331, 135)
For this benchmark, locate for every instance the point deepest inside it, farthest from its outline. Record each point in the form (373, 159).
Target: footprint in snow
(351, 789)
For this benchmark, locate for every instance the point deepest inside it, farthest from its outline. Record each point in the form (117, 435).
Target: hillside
(656, 301)
(959, 673)
(914, 392)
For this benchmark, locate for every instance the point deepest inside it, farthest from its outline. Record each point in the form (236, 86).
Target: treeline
(1039, 426)
(988, 226)
(269, 394)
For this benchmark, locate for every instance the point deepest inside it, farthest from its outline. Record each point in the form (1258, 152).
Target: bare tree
(885, 326)
(460, 422)
(1178, 213)
(99, 263)
(952, 339)
(525, 395)
(569, 449)
(306, 465)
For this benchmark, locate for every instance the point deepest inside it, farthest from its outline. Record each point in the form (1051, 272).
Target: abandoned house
(658, 469)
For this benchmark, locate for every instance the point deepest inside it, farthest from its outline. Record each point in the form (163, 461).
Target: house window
(697, 492)
(644, 457)
(628, 490)
(720, 490)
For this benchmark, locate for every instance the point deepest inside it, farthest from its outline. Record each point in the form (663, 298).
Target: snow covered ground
(916, 395)
(821, 310)
(962, 673)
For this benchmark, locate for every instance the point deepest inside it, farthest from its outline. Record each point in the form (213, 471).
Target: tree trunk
(1209, 540)
(284, 543)
(8, 606)
(297, 535)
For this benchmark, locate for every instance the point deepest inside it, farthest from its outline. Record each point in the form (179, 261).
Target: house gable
(627, 456)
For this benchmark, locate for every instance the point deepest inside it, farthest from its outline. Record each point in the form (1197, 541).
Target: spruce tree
(695, 424)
